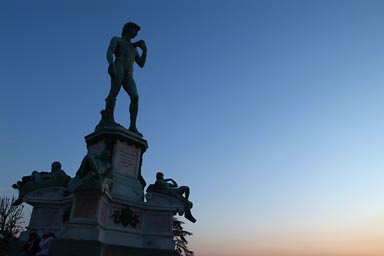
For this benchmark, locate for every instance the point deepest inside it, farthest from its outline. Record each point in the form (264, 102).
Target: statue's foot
(188, 216)
(106, 120)
(134, 130)
(17, 202)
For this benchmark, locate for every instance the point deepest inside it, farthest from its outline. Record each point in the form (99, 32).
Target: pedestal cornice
(117, 133)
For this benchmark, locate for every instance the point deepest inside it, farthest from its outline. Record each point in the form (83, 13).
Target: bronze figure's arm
(111, 50)
(140, 60)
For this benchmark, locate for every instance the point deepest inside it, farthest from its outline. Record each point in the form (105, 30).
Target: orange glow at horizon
(361, 240)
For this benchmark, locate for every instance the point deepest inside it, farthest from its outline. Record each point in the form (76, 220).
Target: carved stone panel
(97, 148)
(85, 207)
(158, 223)
(44, 217)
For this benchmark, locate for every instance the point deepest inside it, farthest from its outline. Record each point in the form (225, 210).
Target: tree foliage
(11, 220)
(179, 235)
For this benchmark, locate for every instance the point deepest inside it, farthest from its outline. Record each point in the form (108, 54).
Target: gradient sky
(271, 111)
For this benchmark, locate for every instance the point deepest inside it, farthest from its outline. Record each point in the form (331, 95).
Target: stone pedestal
(116, 220)
(127, 150)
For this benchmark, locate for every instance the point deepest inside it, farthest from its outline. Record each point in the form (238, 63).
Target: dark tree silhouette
(179, 235)
(11, 220)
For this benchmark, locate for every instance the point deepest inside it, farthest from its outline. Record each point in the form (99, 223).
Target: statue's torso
(125, 53)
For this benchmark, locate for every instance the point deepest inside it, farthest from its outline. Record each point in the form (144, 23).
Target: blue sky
(271, 111)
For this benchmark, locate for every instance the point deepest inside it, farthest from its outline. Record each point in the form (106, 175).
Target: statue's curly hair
(128, 26)
(159, 175)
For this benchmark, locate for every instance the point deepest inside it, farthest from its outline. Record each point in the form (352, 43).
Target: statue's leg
(129, 86)
(110, 101)
(36, 177)
(183, 190)
(188, 215)
(25, 179)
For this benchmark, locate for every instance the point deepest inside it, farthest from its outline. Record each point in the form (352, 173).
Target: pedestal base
(71, 247)
(51, 209)
(126, 149)
(112, 220)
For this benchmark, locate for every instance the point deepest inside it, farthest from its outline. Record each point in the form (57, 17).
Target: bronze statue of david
(121, 55)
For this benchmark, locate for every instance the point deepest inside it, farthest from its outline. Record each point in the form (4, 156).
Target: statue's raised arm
(140, 60)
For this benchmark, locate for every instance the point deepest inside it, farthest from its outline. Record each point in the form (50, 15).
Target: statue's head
(159, 175)
(56, 166)
(130, 29)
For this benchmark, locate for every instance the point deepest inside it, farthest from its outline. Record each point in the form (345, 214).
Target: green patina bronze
(169, 187)
(92, 172)
(39, 180)
(121, 71)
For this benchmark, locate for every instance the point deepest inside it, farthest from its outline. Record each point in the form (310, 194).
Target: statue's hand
(112, 70)
(103, 169)
(141, 44)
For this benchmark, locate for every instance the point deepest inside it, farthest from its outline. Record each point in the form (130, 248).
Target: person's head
(130, 30)
(46, 233)
(56, 166)
(159, 175)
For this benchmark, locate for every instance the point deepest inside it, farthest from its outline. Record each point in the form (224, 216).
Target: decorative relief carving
(126, 217)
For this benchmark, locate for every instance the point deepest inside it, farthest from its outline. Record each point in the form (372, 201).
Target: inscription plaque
(125, 159)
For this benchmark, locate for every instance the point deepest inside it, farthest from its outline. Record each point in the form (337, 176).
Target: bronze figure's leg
(183, 190)
(129, 86)
(110, 101)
